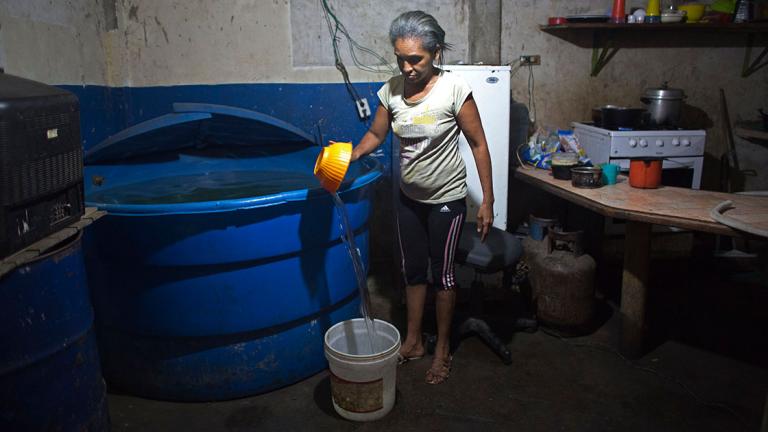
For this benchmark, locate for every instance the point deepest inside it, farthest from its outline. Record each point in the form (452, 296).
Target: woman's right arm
(375, 135)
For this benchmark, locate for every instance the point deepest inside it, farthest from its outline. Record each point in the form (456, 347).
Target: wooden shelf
(756, 27)
(751, 130)
(606, 39)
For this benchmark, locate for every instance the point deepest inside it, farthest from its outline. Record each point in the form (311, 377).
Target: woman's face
(414, 61)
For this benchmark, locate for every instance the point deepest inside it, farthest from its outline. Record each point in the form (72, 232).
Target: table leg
(764, 427)
(634, 288)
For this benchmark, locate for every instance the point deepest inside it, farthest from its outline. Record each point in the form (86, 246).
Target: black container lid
(14, 87)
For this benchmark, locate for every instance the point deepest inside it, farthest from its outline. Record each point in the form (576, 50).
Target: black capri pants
(429, 235)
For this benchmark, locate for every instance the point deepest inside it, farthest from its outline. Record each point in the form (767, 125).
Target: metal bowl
(587, 177)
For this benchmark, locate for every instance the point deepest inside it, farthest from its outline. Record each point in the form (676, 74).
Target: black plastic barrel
(50, 378)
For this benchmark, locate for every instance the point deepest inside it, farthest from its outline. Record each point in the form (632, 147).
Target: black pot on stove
(617, 117)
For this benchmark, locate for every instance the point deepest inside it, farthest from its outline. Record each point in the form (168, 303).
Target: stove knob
(632, 142)
(659, 143)
(675, 142)
(686, 142)
(643, 143)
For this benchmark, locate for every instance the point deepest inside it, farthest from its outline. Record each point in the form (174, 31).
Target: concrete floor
(688, 383)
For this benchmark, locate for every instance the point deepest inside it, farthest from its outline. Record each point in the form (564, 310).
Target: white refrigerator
(491, 90)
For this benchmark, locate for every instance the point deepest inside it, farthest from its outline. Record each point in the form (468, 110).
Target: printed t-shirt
(431, 167)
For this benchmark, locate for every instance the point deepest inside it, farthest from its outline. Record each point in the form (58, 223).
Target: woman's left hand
(484, 219)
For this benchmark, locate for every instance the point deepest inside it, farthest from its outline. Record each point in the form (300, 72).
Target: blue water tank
(220, 264)
(50, 377)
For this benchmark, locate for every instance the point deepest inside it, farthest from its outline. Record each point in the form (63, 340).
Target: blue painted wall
(318, 109)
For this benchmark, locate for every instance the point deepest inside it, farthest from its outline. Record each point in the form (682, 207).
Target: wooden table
(679, 207)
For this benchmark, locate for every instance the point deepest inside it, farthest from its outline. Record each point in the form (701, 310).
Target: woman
(427, 109)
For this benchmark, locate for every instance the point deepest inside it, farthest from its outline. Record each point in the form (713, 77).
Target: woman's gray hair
(419, 25)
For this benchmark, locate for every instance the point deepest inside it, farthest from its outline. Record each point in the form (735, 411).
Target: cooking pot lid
(618, 108)
(193, 124)
(664, 92)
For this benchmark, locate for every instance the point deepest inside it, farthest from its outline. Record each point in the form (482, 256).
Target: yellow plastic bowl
(332, 163)
(693, 11)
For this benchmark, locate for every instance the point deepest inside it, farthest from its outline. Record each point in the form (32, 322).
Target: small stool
(499, 252)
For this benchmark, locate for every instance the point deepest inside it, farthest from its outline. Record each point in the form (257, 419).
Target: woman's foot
(408, 352)
(440, 370)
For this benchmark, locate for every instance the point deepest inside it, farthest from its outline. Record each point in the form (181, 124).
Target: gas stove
(682, 150)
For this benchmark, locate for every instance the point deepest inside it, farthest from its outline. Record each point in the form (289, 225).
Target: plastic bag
(540, 147)
(569, 142)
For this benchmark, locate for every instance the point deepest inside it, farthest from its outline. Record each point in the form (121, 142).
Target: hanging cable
(531, 95)
(333, 30)
(337, 30)
(514, 67)
(335, 26)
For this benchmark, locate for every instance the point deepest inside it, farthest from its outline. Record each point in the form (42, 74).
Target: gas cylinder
(534, 245)
(562, 282)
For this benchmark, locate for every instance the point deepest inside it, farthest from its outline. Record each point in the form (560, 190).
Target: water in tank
(220, 264)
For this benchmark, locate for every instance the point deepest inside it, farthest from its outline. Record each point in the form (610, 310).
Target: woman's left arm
(469, 123)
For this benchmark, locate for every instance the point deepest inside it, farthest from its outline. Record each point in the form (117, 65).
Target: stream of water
(357, 262)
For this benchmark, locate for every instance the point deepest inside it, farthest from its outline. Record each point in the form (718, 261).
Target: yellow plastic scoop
(332, 164)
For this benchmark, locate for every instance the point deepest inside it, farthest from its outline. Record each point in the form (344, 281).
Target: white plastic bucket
(362, 383)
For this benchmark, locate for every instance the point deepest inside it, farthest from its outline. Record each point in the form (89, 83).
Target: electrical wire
(605, 348)
(337, 29)
(383, 65)
(531, 95)
(515, 66)
(333, 30)
(523, 165)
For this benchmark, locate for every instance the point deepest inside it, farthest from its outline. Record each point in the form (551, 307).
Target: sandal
(440, 371)
(403, 359)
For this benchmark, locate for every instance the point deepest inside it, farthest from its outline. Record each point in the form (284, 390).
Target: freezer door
(491, 91)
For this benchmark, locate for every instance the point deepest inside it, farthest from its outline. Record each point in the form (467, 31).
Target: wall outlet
(530, 60)
(363, 110)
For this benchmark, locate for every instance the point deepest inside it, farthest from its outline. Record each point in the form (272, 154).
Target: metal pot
(664, 106)
(618, 117)
(587, 177)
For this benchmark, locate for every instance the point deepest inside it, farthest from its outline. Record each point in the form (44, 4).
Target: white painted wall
(54, 41)
(276, 41)
(368, 22)
(169, 42)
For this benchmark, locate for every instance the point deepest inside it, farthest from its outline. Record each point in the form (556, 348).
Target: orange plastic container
(645, 173)
(332, 163)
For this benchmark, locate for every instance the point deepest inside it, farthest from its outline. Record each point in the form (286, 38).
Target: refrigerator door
(491, 91)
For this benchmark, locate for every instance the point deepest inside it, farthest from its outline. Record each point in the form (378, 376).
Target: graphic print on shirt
(414, 132)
